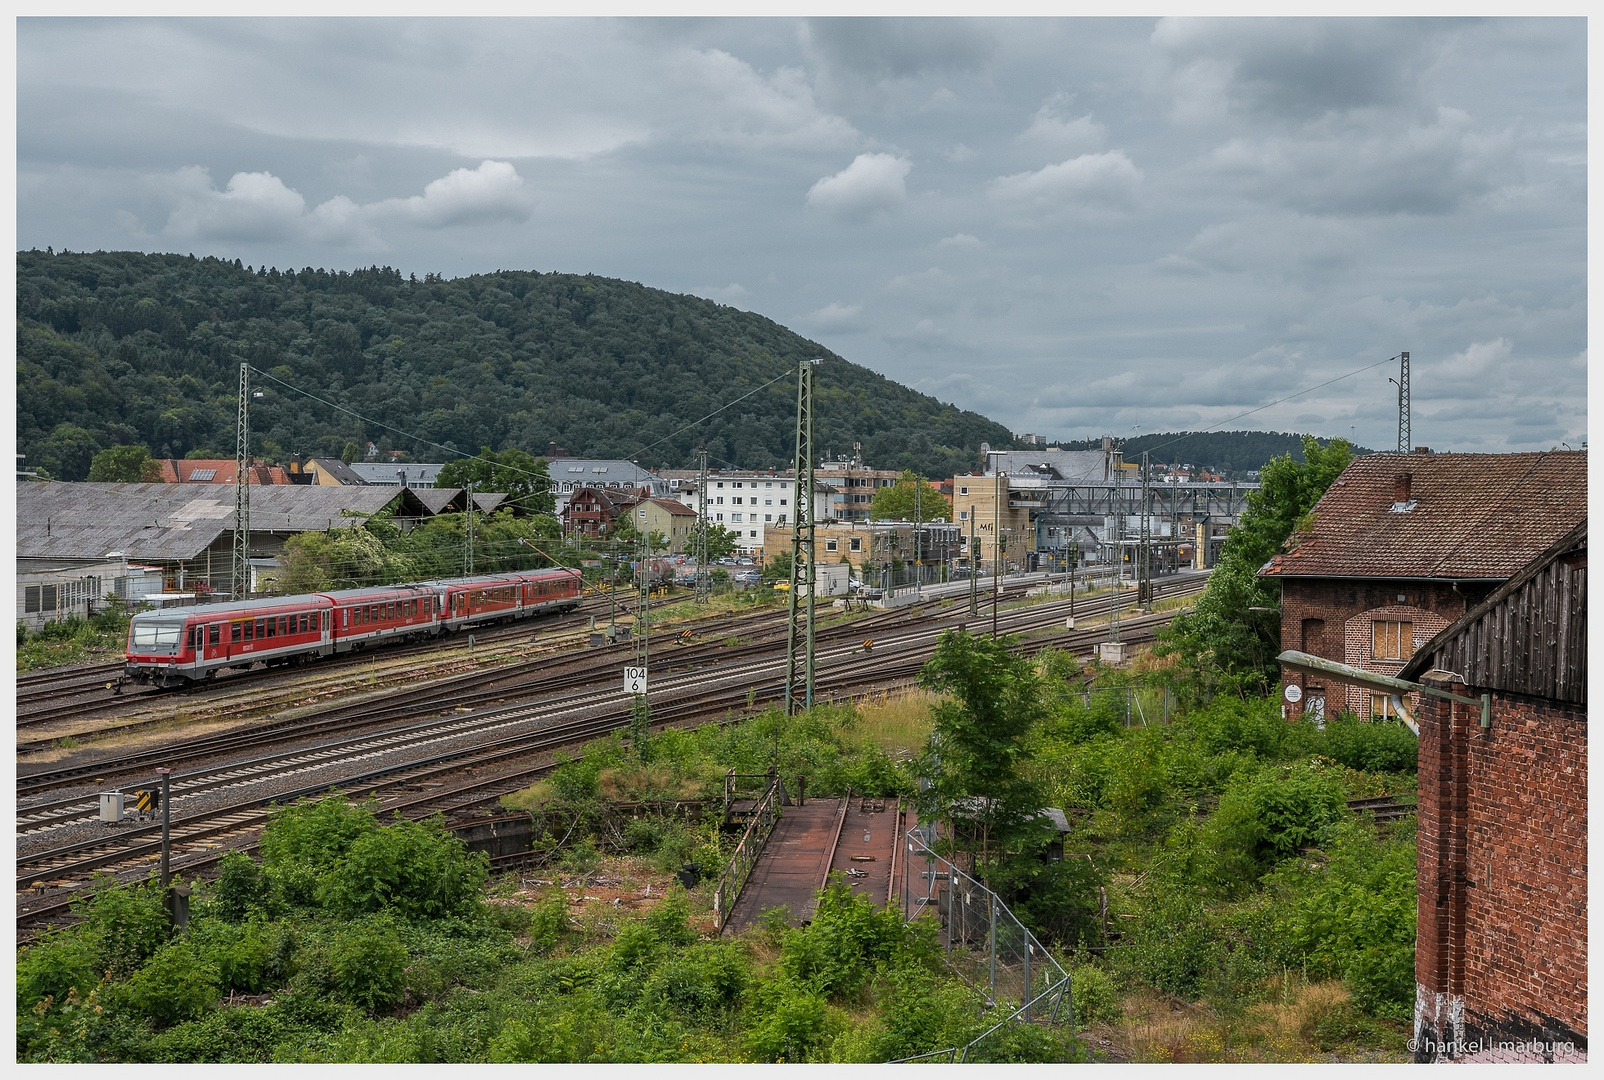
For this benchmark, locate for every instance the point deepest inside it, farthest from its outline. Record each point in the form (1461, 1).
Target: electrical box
(111, 807)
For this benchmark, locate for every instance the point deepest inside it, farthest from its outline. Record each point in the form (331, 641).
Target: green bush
(125, 926)
(1278, 812)
(306, 840)
(178, 983)
(1097, 998)
(240, 886)
(369, 963)
(58, 964)
(415, 869)
(1373, 747)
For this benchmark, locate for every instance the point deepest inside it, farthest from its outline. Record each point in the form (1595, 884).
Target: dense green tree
(1230, 640)
(975, 771)
(124, 465)
(123, 347)
(911, 499)
(721, 542)
(521, 476)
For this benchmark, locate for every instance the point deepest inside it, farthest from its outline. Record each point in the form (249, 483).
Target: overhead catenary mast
(799, 630)
(241, 584)
(1403, 403)
(704, 578)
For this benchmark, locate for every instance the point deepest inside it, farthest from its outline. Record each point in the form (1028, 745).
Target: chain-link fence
(1134, 706)
(984, 944)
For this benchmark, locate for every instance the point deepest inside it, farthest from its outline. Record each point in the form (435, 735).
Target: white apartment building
(750, 503)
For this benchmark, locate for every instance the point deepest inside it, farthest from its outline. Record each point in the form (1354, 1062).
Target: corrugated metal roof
(166, 522)
(1467, 517)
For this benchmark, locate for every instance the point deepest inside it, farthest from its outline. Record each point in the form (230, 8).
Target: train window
(272, 627)
(214, 634)
(234, 632)
(253, 629)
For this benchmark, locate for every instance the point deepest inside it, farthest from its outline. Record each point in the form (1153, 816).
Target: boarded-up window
(1381, 707)
(47, 598)
(30, 599)
(1392, 640)
(1314, 637)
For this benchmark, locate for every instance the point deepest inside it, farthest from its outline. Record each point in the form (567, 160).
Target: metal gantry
(799, 630)
(643, 596)
(704, 572)
(242, 488)
(1144, 563)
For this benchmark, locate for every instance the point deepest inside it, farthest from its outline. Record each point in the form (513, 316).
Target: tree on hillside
(124, 465)
(521, 475)
(1224, 644)
(975, 766)
(911, 499)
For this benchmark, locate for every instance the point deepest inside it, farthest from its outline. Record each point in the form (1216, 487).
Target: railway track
(499, 738)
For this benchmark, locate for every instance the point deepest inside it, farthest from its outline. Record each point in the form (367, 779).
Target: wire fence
(1137, 706)
(985, 945)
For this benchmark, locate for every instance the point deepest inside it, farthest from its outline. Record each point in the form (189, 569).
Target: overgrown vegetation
(73, 641)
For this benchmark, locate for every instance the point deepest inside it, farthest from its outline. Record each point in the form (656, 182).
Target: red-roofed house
(219, 471)
(1401, 546)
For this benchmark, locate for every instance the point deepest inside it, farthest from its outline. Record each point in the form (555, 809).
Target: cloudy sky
(1077, 226)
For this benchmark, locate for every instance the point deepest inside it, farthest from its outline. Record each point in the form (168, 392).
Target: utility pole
(242, 488)
(704, 572)
(467, 552)
(1071, 558)
(1403, 403)
(799, 630)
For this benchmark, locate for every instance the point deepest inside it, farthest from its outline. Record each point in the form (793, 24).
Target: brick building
(591, 511)
(1501, 945)
(1402, 545)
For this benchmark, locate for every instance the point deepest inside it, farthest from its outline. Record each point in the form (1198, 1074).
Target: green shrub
(125, 926)
(1278, 812)
(240, 887)
(306, 840)
(792, 1026)
(1373, 747)
(415, 869)
(549, 921)
(56, 965)
(178, 983)
(368, 963)
(1097, 998)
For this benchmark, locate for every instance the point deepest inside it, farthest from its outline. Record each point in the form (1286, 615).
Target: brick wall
(1346, 608)
(1501, 936)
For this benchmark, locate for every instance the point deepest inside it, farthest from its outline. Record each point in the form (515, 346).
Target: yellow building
(992, 507)
(672, 518)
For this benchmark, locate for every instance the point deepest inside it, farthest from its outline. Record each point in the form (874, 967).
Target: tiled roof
(218, 471)
(1468, 516)
(675, 507)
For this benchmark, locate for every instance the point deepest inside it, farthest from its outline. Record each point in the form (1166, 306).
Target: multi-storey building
(748, 503)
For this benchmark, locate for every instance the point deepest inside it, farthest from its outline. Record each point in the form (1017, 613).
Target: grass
(896, 720)
(1298, 1022)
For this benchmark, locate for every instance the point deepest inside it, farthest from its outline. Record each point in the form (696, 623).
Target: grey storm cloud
(1080, 227)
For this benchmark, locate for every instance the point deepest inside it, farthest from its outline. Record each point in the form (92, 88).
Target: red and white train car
(180, 645)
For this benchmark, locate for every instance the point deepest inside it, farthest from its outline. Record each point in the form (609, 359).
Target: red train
(183, 645)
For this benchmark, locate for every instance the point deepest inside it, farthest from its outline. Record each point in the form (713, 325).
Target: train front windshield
(156, 635)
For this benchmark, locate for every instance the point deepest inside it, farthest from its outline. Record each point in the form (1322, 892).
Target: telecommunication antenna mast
(799, 632)
(242, 488)
(704, 573)
(1403, 403)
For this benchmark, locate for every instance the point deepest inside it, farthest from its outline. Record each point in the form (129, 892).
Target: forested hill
(1228, 452)
(123, 347)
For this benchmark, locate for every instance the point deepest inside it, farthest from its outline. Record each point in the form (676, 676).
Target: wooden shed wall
(1533, 641)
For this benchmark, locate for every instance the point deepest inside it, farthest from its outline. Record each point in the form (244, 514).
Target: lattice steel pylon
(643, 593)
(799, 631)
(704, 572)
(1403, 403)
(241, 584)
(1144, 558)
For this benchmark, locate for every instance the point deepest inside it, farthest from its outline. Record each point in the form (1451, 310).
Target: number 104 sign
(634, 680)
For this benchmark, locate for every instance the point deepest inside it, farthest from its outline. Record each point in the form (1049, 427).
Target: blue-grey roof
(397, 473)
